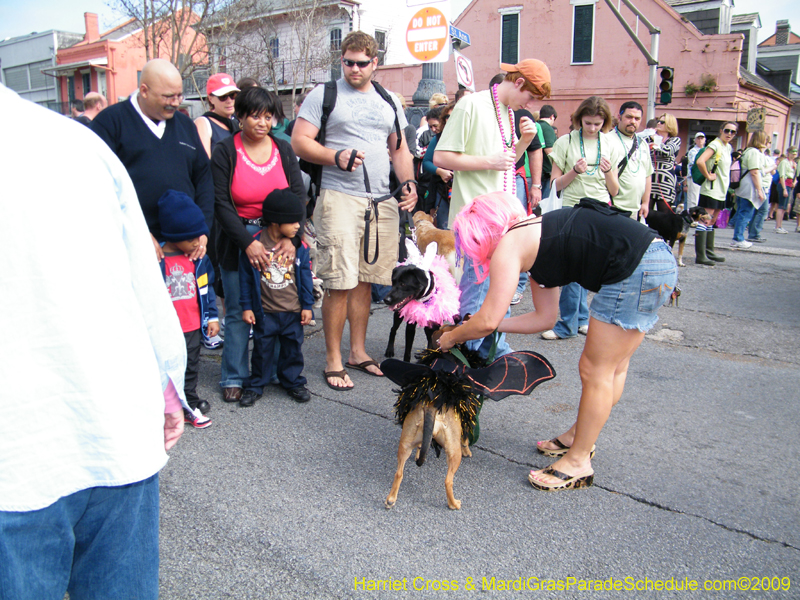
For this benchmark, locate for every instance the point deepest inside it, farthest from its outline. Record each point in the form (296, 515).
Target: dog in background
(426, 232)
(673, 226)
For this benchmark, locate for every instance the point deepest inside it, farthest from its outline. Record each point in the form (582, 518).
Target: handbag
(723, 218)
(552, 202)
(697, 176)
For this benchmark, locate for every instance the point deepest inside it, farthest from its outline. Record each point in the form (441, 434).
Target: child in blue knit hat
(189, 283)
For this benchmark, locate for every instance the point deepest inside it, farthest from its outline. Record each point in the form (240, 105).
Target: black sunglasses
(660, 122)
(362, 64)
(228, 96)
(729, 131)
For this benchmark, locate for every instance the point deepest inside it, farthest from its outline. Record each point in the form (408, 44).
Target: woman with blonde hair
(630, 269)
(584, 166)
(754, 186)
(664, 154)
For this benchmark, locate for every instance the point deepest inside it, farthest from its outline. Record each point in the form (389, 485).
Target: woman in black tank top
(631, 270)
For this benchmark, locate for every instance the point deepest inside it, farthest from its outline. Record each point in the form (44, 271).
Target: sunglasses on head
(362, 64)
(729, 131)
(228, 96)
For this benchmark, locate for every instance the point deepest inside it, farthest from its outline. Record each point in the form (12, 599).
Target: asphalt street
(696, 472)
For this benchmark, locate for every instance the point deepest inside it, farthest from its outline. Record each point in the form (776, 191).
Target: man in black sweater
(159, 146)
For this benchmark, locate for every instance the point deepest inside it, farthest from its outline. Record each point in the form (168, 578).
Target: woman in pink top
(247, 167)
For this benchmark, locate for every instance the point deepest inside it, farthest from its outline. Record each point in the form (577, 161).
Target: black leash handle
(372, 205)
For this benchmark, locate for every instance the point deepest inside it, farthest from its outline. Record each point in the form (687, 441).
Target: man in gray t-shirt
(358, 132)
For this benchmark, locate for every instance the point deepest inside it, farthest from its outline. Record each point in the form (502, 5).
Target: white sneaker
(743, 244)
(583, 329)
(516, 299)
(780, 230)
(213, 343)
(550, 335)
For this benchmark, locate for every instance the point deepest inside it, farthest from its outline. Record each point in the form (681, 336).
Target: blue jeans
(287, 357)
(523, 198)
(744, 212)
(545, 185)
(472, 296)
(100, 542)
(757, 222)
(234, 369)
(574, 310)
(633, 303)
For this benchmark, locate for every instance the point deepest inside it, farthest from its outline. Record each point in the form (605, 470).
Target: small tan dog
(427, 232)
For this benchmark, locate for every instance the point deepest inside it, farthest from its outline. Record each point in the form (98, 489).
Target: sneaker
(299, 394)
(759, 239)
(550, 335)
(196, 419)
(742, 245)
(780, 230)
(516, 299)
(213, 343)
(583, 329)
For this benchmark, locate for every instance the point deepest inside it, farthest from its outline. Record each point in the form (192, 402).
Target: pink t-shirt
(252, 182)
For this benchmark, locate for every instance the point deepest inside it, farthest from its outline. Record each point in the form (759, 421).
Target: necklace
(583, 154)
(512, 143)
(633, 152)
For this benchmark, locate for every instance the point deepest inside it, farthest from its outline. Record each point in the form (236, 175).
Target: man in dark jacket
(159, 146)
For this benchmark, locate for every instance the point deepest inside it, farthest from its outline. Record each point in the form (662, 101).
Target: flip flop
(363, 367)
(569, 482)
(341, 375)
(561, 451)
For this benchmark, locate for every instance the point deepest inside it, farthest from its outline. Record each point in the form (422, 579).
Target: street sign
(462, 37)
(464, 72)
(427, 35)
(756, 118)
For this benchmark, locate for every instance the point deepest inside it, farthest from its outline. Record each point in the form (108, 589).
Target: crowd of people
(221, 205)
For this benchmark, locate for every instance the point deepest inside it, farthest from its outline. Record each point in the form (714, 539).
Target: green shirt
(591, 184)
(638, 170)
(786, 170)
(721, 155)
(472, 129)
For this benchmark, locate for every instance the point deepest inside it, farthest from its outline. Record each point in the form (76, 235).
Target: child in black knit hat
(189, 284)
(277, 301)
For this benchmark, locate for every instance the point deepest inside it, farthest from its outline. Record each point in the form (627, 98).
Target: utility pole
(651, 55)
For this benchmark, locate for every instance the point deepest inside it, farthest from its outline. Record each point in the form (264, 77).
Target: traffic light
(666, 85)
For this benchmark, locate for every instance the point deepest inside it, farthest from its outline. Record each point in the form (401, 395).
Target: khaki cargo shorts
(339, 222)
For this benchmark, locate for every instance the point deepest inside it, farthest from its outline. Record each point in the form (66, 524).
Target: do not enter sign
(427, 34)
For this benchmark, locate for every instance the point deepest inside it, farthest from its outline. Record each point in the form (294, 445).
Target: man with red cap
(480, 146)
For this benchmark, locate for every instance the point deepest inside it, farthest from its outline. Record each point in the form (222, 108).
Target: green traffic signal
(666, 85)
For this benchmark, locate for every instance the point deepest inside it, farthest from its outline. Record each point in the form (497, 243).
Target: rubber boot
(700, 249)
(710, 247)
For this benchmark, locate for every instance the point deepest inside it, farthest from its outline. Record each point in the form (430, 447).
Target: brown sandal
(568, 482)
(341, 375)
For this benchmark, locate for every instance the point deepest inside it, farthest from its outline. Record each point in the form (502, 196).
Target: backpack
(735, 174)
(328, 104)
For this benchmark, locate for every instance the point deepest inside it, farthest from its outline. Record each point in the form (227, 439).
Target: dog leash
(372, 205)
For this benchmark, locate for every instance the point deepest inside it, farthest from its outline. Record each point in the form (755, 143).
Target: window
(509, 38)
(274, 47)
(71, 88)
(38, 79)
(380, 37)
(336, 53)
(582, 31)
(87, 82)
(17, 78)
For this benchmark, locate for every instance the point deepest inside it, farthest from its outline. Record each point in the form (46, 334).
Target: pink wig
(480, 225)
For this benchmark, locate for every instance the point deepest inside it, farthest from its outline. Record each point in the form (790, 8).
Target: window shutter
(510, 39)
(17, 78)
(582, 34)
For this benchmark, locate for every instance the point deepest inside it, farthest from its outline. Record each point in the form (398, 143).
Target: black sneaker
(249, 398)
(299, 394)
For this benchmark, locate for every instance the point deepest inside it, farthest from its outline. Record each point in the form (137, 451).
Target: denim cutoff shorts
(633, 303)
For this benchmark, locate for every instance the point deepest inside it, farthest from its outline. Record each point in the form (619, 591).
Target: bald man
(93, 103)
(159, 147)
